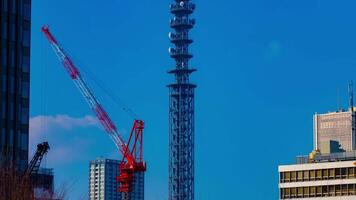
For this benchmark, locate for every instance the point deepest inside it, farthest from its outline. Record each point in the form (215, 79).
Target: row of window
(318, 191)
(22, 139)
(319, 174)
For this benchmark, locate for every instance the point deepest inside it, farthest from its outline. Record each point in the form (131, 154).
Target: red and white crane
(132, 161)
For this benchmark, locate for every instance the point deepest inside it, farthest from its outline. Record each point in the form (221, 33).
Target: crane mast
(132, 161)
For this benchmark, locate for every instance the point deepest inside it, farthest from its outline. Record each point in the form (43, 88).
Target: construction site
(121, 178)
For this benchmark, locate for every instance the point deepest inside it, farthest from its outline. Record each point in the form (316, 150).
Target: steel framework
(181, 105)
(34, 166)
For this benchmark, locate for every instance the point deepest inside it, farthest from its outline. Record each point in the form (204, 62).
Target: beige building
(335, 127)
(318, 181)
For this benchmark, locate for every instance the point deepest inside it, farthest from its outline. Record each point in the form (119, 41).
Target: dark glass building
(15, 81)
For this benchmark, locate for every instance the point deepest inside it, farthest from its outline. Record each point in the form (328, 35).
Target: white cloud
(60, 131)
(41, 123)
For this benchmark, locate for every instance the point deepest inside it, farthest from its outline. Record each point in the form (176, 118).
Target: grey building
(14, 81)
(103, 182)
(335, 127)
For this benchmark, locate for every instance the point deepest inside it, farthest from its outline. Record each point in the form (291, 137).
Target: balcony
(182, 23)
(180, 38)
(182, 8)
(179, 53)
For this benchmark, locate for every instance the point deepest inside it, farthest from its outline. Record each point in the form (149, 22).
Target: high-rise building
(329, 172)
(181, 105)
(103, 184)
(335, 126)
(15, 81)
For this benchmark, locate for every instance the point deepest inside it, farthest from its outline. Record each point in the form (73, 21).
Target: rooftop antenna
(351, 96)
(338, 100)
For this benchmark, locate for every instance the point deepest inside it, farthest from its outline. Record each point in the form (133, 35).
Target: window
(5, 5)
(312, 191)
(11, 137)
(13, 7)
(26, 64)
(27, 11)
(338, 173)
(26, 24)
(300, 176)
(293, 192)
(344, 190)
(325, 191)
(26, 51)
(351, 189)
(306, 191)
(300, 192)
(25, 89)
(338, 190)
(294, 176)
(12, 57)
(4, 57)
(12, 84)
(4, 30)
(343, 172)
(24, 141)
(331, 190)
(287, 176)
(331, 173)
(319, 191)
(325, 174)
(306, 176)
(3, 137)
(12, 35)
(26, 38)
(24, 116)
(318, 174)
(351, 172)
(12, 111)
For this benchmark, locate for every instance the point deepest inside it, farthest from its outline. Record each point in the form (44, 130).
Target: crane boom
(92, 101)
(132, 161)
(35, 163)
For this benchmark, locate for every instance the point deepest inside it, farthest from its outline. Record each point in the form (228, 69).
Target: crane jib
(132, 151)
(104, 119)
(72, 70)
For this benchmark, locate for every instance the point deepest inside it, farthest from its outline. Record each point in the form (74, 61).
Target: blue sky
(264, 68)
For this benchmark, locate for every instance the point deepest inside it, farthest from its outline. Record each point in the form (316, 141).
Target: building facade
(15, 81)
(103, 184)
(335, 126)
(318, 181)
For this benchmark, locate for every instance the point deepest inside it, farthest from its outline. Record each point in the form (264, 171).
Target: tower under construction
(181, 104)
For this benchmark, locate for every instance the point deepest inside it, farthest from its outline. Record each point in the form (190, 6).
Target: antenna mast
(351, 96)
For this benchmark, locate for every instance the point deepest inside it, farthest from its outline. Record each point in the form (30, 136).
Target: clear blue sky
(264, 68)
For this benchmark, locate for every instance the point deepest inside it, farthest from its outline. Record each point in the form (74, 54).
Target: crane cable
(105, 89)
(43, 126)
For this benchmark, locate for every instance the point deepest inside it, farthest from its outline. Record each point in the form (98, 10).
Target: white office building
(333, 178)
(103, 184)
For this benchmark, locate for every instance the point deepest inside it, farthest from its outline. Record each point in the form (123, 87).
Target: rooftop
(331, 157)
